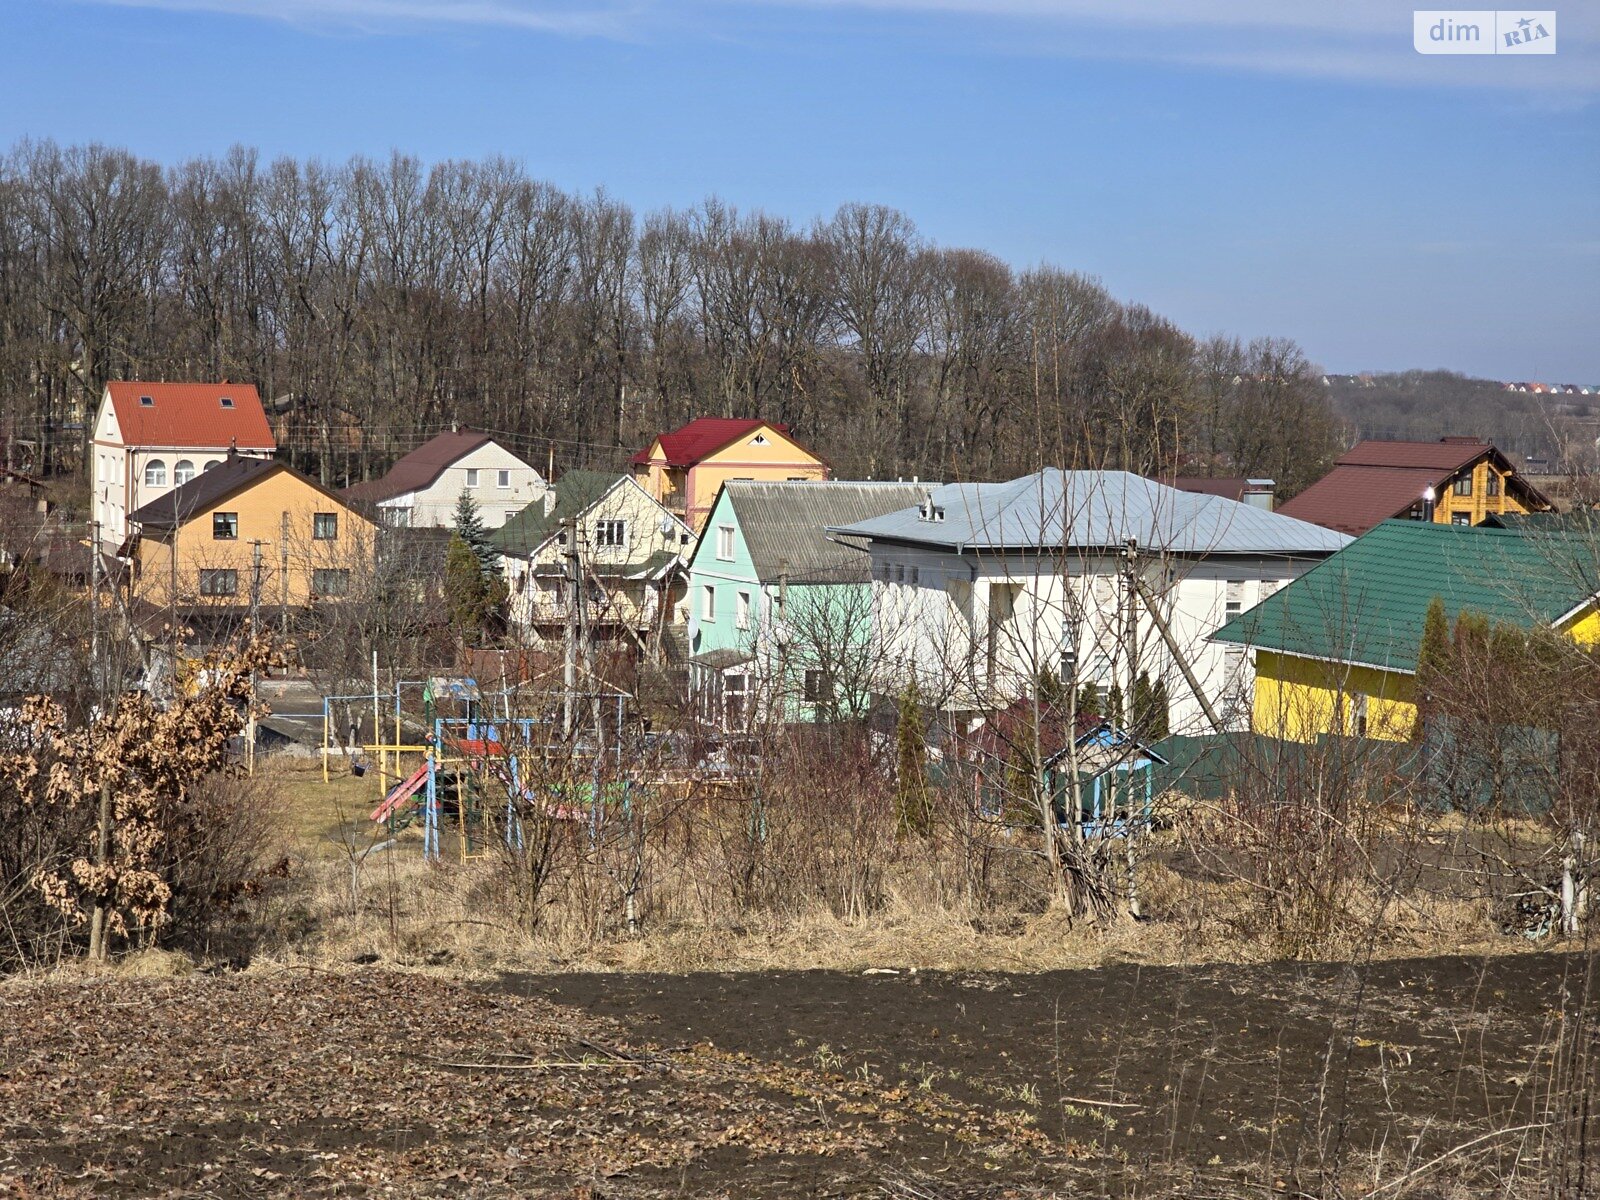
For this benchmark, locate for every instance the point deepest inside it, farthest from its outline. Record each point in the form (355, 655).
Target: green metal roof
(575, 491)
(1367, 603)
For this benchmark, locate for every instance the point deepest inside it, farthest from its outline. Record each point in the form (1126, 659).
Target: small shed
(1116, 781)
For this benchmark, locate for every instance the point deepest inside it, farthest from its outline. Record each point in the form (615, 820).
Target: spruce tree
(469, 528)
(467, 590)
(1160, 712)
(1113, 711)
(913, 807)
(1433, 662)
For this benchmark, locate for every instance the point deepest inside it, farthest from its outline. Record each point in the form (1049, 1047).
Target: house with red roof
(684, 469)
(1453, 481)
(151, 438)
(422, 489)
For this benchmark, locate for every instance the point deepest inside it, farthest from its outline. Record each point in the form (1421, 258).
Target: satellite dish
(666, 525)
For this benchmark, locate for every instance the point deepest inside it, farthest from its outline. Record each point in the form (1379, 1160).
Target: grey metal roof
(785, 525)
(1094, 510)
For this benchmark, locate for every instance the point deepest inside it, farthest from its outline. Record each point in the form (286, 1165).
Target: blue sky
(1285, 167)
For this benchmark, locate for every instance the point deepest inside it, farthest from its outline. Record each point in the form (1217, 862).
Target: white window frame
(708, 602)
(472, 477)
(724, 543)
(502, 479)
(183, 467)
(741, 610)
(611, 533)
(159, 465)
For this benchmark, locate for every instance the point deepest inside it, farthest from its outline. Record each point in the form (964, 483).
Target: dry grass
(458, 918)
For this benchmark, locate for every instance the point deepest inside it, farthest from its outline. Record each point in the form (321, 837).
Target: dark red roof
(190, 414)
(1229, 487)
(1447, 454)
(1375, 481)
(703, 437)
(421, 467)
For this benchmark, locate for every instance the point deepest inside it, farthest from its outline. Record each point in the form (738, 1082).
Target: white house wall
(919, 625)
(434, 507)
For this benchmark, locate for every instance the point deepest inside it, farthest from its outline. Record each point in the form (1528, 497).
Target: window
(182, 472)
(325, 526)
(397, 518)
(1461, 518)
(472, 477)
(1462, 486)
(708, 604)
(817, 686)
(215, 582)
(741, 611)
(502, 480)
(1491, 486)
(725, 542)
(734, 698)
(1233, 604)
(610, 533)
(227, 401)
(886, 572)
(147, 401)
(330, 581)
(760, 439)
(916, 576)
(215, 462)
(155, 473)
(900, 573)
(224, 526)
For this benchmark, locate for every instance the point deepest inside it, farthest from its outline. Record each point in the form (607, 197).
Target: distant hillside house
(984, 587)
(422, 489)
(1336, 651)
(682, 470)
(150, 438)
(1378, 481)
(780, 612)
(631, 552)
(249, 530)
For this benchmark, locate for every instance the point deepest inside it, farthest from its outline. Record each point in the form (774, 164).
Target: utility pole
(569, 656)
(255, 617)
(97, 918)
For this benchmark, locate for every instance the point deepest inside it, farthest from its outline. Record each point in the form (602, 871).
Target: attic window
(147, 401)
(932, 512)
(227, 401)
(760, 439)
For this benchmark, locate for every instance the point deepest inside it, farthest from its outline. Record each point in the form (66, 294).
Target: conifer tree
(1433, 662)
(469, 528)
(913, 807)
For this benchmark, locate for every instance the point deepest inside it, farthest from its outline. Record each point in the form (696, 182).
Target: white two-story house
(984, 587)
(150, 438)
(421, 491)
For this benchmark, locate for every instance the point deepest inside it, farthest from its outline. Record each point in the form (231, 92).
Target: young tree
(467, 590)
(913, 805)
(1433, 662)
(469, 528)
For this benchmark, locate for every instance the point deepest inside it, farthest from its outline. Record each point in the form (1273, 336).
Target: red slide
(402, 792)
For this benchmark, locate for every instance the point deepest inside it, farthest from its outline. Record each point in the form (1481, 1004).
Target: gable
(766, 444)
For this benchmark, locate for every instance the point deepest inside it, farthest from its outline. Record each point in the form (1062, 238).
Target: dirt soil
(1214, 1081)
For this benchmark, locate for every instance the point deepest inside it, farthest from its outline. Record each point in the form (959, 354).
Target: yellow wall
(1480, 504)
(291, 559)
(1301, 698)
(694, 491)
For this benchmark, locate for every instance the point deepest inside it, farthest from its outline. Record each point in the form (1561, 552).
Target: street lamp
(1428, 497)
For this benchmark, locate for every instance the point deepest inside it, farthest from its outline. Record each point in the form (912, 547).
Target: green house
(780, 612)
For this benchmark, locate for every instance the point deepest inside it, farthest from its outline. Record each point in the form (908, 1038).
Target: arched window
(155, 473)
(215, 462)
(182, 472)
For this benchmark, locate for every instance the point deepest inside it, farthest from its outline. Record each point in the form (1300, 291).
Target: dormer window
(931, 511)
(147, 401)
(227, 401)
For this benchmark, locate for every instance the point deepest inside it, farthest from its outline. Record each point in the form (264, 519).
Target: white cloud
(1363, 40)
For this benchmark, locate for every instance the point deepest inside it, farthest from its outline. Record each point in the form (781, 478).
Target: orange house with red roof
(684, 469)
(151, 438)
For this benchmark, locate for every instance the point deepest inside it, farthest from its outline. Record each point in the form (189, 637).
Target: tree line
(376, 302)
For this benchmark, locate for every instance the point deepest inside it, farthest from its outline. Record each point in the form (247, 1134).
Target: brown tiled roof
(211, 487)
(1375, 480)
(190, 414)
(1353, 499)
(420, 468)
(1447, 454)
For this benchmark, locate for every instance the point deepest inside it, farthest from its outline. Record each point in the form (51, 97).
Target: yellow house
(1336, 650)
(1453, 481)
(684, 469)
(249, 531)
